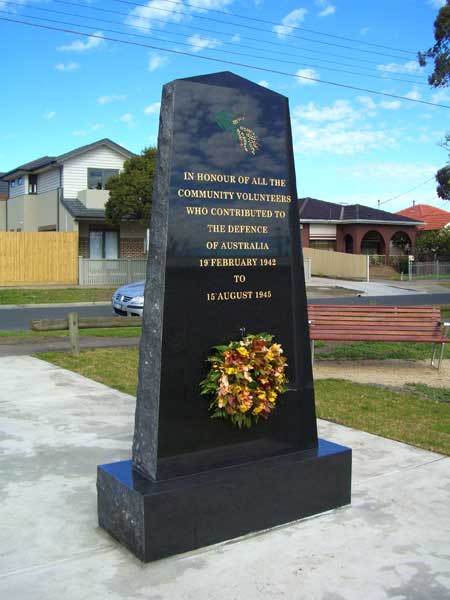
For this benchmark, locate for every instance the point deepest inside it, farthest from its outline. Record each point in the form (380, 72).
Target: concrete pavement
(392, 543)
(365, 288)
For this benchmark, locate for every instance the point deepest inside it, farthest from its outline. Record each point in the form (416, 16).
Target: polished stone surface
(391, 543)
(174, 433)
(159, 519)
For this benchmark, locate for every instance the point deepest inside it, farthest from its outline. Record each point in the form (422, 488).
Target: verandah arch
(373, 243)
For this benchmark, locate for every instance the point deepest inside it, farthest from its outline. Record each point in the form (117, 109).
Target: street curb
(68, 304)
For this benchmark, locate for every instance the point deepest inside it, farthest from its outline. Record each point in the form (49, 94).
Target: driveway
(393, 541)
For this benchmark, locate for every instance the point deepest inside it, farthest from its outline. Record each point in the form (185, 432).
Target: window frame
(103, 233)
(104, 179)
(35, 185)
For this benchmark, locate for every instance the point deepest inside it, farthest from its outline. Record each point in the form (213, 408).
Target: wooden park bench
(378, 324)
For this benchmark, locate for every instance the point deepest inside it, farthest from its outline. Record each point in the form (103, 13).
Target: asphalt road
(19, 318)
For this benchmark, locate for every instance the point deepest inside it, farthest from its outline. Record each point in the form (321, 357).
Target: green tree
(443, 179)
(440, 77)
(130, 192)
(440, 52)
(434, 244)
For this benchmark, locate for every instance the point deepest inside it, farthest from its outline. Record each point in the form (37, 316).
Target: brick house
(356, 229)
(68, 193)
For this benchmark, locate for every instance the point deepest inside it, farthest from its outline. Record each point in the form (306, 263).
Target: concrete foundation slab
(392, 543)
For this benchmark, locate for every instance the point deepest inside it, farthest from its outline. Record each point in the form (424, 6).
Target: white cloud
(143, 16)
(236, 38)
(207, 4)
(414, 94)
(337, 138)
(152, 109)
(412, 66)
(97, 126)
(198, 42)
(156, 61)
(370, 105)
(71, 66)
(326, 8)
(84, 45)
(49, 115)
(293, 19)
(127, 118)
(79, 133)
(437, 3)
(156, 13)
(441, 97)
(390, 104)
(364, 30)
(407, 172)
(340, 109)
(306, 76)
(367, 103)
(264, 83)
(340, 128)
(113, 98)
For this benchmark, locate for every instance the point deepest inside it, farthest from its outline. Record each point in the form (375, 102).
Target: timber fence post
(74, 333)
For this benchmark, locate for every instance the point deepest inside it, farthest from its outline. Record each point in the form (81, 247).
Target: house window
(13, 183)
(98, 178)
(329, 245)
(103, 244)
(20, 181)
(32, 184)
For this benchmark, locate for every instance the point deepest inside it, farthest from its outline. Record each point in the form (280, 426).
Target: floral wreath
(245, 379)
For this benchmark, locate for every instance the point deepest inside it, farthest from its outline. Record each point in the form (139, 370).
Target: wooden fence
(38, 258)
(338, 264)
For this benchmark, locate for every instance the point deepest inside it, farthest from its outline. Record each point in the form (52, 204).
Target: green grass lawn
(116, 367)
(417, 415)
(55, 295)
(24, 336)
(375, 351)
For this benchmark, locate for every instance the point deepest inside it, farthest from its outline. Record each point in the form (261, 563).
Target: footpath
(392, 542)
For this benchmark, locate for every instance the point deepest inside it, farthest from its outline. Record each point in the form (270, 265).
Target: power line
(191, 45)
(338, 37)
(209, 31)
(195, 16)
(227, 62)
(407, 192)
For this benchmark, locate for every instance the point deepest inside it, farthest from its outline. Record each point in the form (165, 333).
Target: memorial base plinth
(156, 520)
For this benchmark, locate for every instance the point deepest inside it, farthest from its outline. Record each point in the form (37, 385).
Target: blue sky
(62, 91)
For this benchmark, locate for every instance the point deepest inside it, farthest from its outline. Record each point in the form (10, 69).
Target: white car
(128, 300)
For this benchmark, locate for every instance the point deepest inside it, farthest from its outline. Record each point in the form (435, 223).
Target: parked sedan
(128, 300)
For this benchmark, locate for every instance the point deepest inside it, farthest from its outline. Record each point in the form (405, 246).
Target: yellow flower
(230, 371)
(243, 351)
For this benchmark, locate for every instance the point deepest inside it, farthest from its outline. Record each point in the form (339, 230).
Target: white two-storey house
(68, 193)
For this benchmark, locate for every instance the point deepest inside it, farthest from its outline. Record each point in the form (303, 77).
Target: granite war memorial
(225, 439)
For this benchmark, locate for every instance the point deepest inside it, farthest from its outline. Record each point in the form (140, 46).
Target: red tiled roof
(434, 218)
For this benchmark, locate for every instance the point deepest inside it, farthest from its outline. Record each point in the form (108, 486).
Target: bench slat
(376, 323)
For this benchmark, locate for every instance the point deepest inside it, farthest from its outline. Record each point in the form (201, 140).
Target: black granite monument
(224, 259)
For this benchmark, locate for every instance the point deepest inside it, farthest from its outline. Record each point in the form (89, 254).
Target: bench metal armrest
(446, 326)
